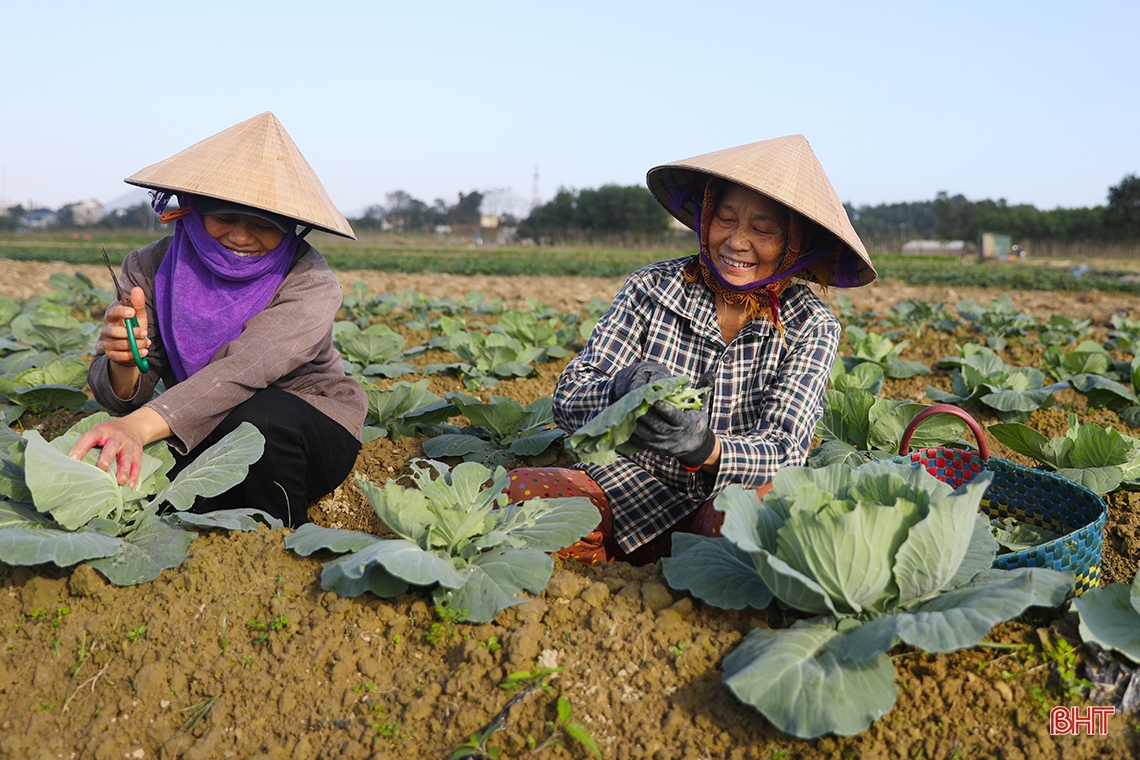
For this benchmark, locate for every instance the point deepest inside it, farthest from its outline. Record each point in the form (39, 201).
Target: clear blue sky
(1035, 102)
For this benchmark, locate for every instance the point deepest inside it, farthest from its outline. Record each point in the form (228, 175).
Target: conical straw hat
(254, 163)
(785, 169)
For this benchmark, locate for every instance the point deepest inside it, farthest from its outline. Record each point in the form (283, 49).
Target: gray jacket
(288, 345)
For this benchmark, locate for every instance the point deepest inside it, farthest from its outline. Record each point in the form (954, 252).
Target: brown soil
(358, 678)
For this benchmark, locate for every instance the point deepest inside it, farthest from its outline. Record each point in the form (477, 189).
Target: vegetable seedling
(608, 434)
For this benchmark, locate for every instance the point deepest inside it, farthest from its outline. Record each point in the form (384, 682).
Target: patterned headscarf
(762, 297)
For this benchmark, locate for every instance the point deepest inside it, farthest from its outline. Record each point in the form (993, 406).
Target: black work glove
(673, 432)
(636, 375)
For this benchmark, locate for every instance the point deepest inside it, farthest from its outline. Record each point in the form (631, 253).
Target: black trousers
(307, 455)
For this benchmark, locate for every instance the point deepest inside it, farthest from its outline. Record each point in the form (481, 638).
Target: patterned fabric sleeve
(790, 409)
(583, 389)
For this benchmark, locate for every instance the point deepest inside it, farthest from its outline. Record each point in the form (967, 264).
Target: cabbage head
(878, 554)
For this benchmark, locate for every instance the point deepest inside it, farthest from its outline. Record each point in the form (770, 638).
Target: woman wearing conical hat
(734, 318)
(235, 314)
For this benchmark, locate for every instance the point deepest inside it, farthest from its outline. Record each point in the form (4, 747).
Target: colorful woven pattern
(1036, 497)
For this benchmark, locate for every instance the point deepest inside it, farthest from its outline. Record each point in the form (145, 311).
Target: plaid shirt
(765, 400)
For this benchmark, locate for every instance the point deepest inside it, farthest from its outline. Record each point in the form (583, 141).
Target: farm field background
(174, 667)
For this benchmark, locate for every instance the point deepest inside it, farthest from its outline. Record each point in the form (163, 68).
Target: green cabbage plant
(458, 536)
(41, 390)
(404, 409)
(54, 509)
(866, 375)
(1088, 358)
(552, 335)
(874, 348)
(486, 358)
(915, 316)
(999, 322)
(1012, 394)
(1103, 391)
(1098, 457)
(372, 351)
(1124, 335)
(858, 427)
(608, 433)
(1110, 617)
(1061, 330)
(498, 430)
(43, 333)
(877, 554)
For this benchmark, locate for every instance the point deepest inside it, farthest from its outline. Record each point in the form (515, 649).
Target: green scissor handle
(140, 360)
(131, 322)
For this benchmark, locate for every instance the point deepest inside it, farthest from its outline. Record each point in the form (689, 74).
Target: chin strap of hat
(166, 217)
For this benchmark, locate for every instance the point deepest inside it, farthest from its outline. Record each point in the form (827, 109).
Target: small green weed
(491, 645)
(223, 636)
(135, 634)
(529, 680)
(384, 726)
(43, 616)
(279, 623)
(1044, 701)
(561, 729)
(197, 712)
(443, 632)
(678, 652)
(1070, 688)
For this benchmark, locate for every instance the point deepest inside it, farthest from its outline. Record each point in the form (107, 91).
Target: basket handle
(930, 411)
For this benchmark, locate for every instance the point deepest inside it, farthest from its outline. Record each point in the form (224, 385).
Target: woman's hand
(680, 433)
(122, 441)
(123, 372)
(636, 375)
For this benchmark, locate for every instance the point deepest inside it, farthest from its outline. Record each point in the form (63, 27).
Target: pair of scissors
(132, 322)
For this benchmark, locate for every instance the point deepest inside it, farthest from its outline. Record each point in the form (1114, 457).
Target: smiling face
(242, 234)
(747, 236)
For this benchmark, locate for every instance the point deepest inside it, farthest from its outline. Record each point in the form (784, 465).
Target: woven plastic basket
(1029, 496)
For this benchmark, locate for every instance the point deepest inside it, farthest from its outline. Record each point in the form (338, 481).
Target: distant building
(934, 247)
(994, 245)
(87, 212)
(5, 204)
(40, 218)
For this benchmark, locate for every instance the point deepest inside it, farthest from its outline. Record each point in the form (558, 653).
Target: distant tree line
(957, 218)
(609, 212)
(403, 213)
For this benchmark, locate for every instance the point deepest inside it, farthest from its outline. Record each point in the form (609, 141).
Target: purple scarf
(205, 294)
